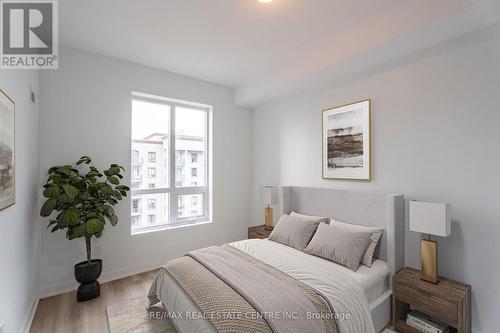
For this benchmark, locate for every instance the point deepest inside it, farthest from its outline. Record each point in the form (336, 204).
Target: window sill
(169, 227)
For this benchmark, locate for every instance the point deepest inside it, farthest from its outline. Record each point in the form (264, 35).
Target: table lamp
(269, 197)
(433, 219)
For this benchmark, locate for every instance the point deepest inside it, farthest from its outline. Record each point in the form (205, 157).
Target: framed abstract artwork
(346, 141)
(7, 151)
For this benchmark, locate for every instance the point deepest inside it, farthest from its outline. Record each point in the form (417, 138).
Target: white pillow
(367, 257)
(318, 219)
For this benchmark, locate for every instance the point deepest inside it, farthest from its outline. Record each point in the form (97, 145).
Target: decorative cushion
(294, 231)
(376, 233)
(319, 219)
(345, 247)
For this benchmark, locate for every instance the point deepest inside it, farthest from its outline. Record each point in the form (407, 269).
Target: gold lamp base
(269, 218)
(428, 252)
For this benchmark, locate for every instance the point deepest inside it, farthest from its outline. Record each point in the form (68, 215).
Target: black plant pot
(87, 276)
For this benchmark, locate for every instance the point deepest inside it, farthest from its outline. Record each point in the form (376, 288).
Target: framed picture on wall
(346, 141)
(7, 152)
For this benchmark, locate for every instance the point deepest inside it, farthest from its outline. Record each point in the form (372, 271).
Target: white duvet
(347, 291)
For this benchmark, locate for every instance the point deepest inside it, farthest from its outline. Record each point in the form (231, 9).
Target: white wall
(18, 224)
(86, 109)
(435, 136)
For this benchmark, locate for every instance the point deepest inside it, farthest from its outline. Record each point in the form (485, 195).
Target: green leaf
(76, 232)
(84, 159)
(55, 228)
(53, 169)
(65, 170)
(114, 170)
(48, 207)
(94, 226)
(70, 216)
(63, 198)
(109, 210)
(113, 180)
(113, 219)
(70, 190)
(117, 194)
(52, 222)
(52, 191)
(106, 189)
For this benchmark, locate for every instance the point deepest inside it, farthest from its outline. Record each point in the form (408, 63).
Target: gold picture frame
(7, 151)
(346, 141)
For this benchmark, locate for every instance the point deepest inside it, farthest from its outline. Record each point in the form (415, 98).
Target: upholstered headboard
(372, 209)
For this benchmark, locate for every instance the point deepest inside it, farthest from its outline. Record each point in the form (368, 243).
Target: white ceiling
(246, 44)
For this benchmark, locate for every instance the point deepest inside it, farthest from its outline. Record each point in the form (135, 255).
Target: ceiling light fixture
(265, 1)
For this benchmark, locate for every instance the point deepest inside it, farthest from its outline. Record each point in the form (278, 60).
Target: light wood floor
(63, 314)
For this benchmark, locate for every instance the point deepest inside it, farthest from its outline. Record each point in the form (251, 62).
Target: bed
(365, 295)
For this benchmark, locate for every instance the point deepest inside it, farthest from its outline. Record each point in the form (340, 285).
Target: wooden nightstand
(448, 301)
(258, 232)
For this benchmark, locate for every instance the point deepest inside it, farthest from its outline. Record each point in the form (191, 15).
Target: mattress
(348, 292)
(373, 280)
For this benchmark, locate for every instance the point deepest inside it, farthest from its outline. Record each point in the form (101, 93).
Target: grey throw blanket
(263, 299)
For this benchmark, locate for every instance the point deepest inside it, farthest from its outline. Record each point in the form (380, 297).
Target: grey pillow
(376, 233)
(319, 219)
(294, 231)
(345, 247)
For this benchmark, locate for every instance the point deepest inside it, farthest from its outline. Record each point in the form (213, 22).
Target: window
(194, 207)
(179, 176)
(135, 157)
(135, 206)
(152, 203)
(136, 220)
(180, 206)
(179, 158)
(135, 185)
(168, 132)
(136, 173)
(151, 172)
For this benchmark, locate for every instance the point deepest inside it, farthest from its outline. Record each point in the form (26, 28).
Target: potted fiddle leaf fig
(80, 200)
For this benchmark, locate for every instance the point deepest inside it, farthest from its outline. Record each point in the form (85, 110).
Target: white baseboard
(31, 315)
(117, 274)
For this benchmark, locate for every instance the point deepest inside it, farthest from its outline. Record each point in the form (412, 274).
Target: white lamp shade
(430, 218)
(269, 195)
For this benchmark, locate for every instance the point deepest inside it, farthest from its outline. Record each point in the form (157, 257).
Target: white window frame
(151, 154)
(152, 203)
(151, 175)
(174, 192)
